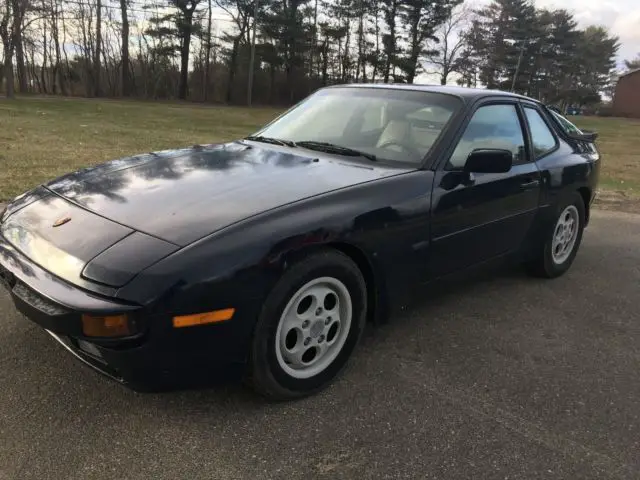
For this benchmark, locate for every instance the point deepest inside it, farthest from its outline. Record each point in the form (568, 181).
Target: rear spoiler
(585, 136)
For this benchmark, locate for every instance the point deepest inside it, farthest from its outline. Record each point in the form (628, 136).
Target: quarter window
(542, 139)
(566, 125)
(491, 127)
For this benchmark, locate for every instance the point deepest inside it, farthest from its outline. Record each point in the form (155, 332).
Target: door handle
(528, 185)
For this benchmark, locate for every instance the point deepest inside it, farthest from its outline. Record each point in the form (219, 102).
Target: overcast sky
(621, 17)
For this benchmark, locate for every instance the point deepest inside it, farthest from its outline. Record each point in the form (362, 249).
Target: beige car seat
(396, 131)
(420, 139)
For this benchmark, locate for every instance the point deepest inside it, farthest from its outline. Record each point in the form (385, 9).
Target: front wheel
(308, 327)
(562, 241)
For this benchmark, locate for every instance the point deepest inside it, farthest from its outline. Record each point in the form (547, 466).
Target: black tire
(543, 264)
(265, 375)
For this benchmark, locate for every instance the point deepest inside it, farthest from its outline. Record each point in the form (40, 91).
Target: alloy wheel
(565, 234)
(313, 327)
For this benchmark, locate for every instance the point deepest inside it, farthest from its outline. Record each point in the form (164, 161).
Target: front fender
(385, 219)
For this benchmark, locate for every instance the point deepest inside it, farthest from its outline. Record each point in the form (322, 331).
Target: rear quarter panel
(565, 172)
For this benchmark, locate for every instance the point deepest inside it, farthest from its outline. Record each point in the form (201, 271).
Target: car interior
(400, 130)
(397, 129)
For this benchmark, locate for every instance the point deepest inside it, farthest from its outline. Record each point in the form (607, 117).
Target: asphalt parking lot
(500, 377)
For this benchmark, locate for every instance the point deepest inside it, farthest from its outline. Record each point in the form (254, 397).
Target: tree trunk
(391, 46)
(272, 83)
(8, 71)
(96, 59)
(325, 61)
(415, 45)
(34, 73)
(183, 88)
(314, 43)
(377, 35)
(345, 57)
(20, 67)
(360, 60)
(58, 72)
(126, 77)
(43, 67)
(207, 60)
(112, 78)
(232, 67)
(66, 58)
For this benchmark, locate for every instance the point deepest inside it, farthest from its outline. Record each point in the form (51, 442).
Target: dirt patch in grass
(618, 201)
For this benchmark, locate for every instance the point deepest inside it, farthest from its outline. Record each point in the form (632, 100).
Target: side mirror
(489, 161)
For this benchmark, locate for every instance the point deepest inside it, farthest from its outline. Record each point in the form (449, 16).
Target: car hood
(183, 195)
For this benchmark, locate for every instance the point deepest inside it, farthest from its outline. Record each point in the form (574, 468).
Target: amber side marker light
(106, 326)
(203, 318)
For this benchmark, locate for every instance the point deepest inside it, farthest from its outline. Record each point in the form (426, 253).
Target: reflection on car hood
(183, 195)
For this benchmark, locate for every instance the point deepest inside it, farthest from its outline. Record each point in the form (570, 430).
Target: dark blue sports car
(264, 257)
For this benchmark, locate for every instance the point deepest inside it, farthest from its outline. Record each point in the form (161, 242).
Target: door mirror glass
(489, 161)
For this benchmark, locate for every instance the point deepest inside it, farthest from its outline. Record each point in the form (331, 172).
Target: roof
(630, 72)
(463, 92)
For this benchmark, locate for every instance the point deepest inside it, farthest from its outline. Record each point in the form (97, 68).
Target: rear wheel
(561, 244)
(308, 327)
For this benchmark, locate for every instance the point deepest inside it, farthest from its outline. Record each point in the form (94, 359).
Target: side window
(541, 137)
(492, 126)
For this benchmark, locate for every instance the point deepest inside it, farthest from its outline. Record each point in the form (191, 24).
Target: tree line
(201, 50)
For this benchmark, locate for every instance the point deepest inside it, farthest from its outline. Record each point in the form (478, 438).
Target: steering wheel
(403, 146)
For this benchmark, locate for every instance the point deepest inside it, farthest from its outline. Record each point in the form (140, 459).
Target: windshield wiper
(333, 148)
(273, 141)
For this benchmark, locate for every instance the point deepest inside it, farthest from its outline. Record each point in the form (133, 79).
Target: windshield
(565, 124)
(387, 124)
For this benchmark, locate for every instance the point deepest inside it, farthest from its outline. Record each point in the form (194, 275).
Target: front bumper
(158, 357)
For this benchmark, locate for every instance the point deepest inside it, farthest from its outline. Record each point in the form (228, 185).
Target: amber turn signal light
(108, 326)
(204, 318)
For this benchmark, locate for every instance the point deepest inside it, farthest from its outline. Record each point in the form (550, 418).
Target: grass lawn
(42, 138)
(619, 142)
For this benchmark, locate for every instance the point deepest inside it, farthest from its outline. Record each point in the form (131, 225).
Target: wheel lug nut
(327, 321)
(318, 311)
(305, 324)
(321, 339)
(307, 341)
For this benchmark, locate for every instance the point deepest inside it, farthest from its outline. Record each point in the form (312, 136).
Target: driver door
(488, 214)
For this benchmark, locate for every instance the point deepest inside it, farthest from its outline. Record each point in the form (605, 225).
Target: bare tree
(239, 12)
(445, 54)
(185, 31)
(97, 91)
(20, 65)
(45, 57)
(55, 33)
(207, 58)
(12, 22)
(126, 77)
